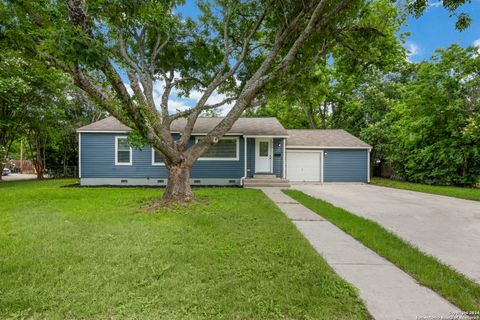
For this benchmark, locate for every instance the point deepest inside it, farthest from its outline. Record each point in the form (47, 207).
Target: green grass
(95, 253)
(427, 270)
(457, 192)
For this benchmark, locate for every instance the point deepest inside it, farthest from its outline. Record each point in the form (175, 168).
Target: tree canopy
(242, 49)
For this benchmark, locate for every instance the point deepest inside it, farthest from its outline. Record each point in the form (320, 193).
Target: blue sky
(435, 29)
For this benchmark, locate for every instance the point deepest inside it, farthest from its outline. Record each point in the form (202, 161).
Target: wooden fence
(24, 166)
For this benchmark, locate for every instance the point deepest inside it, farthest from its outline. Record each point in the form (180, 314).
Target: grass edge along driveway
(426, 269)
(450, 191)
(95, 253)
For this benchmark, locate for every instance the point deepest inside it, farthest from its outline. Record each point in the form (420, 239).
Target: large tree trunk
(178, 185)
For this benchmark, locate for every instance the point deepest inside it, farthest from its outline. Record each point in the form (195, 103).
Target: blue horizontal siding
(278, 157)
(345, 165)
(98, 161)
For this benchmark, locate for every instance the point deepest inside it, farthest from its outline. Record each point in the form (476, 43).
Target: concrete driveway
(444, 227)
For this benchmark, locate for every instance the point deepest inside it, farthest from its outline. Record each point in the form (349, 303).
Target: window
(156, 158)
(263, 146)
(225, 149)
(123, 152)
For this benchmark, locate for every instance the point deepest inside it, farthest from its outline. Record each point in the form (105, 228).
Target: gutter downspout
(242, 179)
(79, 155)
(368, 165)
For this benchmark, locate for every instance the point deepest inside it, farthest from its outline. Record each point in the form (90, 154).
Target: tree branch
(204, 108)
(220, 78)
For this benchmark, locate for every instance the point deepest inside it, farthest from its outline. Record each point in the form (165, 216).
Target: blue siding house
(253, 147)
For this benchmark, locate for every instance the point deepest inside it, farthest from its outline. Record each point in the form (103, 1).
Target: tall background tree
(28, 89)
(430, 131)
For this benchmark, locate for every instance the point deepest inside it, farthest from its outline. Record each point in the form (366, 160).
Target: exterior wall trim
(322, 159)
(116, 153)
(368, 166)
(102, 131)
(237, 141)
(79, 155)
(329, 147)
(160, 182)
(204, 134)
(242, 180)
(111, 131)
(264, 136)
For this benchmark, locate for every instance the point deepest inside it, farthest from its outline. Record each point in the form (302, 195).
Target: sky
(435, 29)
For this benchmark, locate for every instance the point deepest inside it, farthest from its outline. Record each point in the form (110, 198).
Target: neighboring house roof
(243, 126)
(321, 138)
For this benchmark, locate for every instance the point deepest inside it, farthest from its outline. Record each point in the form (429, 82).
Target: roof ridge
(331, 129)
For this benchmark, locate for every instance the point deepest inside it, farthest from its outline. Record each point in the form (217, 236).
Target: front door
(263, 156)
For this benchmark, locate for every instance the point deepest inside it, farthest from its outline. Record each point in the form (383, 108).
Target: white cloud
(476, 44)
(177, 103)
(435, 4)
(412, 50)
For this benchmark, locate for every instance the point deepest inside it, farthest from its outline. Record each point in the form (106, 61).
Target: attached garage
(304, 165)
(326, 156)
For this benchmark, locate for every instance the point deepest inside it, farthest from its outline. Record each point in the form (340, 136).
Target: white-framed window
(227, 148)
(157, 158)
(123, 152)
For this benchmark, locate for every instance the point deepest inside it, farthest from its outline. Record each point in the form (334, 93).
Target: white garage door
(304, 165)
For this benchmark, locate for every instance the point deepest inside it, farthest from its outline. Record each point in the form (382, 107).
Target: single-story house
(254, 147)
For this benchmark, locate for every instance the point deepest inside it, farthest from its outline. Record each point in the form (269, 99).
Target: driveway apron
(444, 227)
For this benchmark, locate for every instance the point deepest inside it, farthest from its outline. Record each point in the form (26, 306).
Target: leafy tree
(234, 47)
(62, 146)
(429, 134)
(440, 147)
(26, 86)
(324, 95)
(13, 88)
(418, 7)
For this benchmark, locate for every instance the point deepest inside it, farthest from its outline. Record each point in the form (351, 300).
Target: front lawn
(427, 270)
(83, 253)
(457, 192)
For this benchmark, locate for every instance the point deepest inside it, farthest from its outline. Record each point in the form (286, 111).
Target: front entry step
(264, 176)
(262, 181)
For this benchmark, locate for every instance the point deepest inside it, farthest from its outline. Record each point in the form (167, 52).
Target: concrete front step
(264, 184)
(266, 180)
(256, 182)
(264, 176)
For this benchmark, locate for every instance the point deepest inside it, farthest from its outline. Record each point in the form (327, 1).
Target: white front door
(263, 155)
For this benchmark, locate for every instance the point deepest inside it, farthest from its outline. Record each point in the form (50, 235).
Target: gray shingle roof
(323, 138)
(107, 124)
(243, 126)
(253, 127)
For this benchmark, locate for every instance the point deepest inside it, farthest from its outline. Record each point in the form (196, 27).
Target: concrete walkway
(389, 293)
